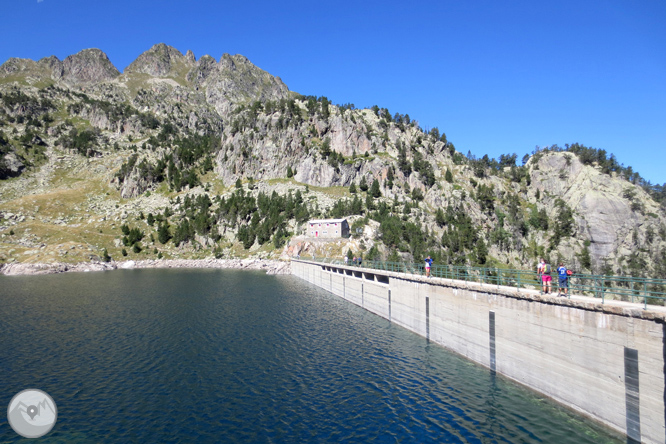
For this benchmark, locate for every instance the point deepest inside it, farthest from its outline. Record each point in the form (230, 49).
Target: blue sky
(496, 77)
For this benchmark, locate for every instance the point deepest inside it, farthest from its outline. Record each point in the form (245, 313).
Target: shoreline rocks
(270, 266)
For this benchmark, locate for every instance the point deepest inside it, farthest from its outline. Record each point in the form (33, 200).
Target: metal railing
(624, 288)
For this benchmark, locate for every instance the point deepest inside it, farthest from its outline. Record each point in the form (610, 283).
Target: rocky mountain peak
(54, 65)
(202, 69)
(48, 67)
(234, 79)
(89, 66)
(16, 65)
(190, 56)
(160, 61)
(227, 61)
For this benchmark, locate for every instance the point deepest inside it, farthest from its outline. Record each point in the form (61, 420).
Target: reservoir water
(213, 356)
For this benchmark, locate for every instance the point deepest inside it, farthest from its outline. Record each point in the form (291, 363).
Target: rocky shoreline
(270, 266)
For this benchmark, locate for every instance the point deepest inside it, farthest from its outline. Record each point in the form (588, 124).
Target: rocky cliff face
(173, 125)
(48, 67)
(88, 66)
(610, 213)
(159, 61)
(234, 80)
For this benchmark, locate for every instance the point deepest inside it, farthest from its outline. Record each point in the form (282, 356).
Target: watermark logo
(32, 413)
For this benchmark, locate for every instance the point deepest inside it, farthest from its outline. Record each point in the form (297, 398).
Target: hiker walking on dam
(563, 280)
(428, 264)
(544, 271)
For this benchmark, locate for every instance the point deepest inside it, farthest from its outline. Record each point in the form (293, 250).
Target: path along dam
(606, 361)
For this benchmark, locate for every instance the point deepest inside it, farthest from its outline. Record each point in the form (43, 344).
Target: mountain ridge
(177, 128)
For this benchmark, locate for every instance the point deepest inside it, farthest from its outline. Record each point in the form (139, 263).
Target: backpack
(546, 269)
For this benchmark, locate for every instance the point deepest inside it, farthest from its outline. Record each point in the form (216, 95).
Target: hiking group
(544, 271)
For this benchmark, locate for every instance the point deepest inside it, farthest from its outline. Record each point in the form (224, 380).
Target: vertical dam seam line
(491, 324)
(632, 395)
(427, 310)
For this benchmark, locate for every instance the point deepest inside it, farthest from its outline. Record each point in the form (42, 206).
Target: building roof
(326, 221)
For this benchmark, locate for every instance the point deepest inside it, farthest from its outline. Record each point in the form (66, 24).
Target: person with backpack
(544, 272)
(563, 280)
(428, 264)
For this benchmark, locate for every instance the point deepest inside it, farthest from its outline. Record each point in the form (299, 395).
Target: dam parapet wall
(606, 361)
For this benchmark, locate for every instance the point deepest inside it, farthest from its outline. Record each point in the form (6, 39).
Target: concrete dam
(606, 361)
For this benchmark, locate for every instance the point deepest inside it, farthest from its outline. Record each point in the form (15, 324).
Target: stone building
(330, 228)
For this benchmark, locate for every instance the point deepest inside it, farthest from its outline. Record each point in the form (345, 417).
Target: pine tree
(440, 219)
(448, 176)
(374, 189)
(369, 203)
(481, 252)
(363, 185)
(394, 256)
(325, 113)
(163, 233)
(352, 188)
(585, 259)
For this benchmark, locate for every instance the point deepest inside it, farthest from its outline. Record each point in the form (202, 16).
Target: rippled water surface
(238, 356)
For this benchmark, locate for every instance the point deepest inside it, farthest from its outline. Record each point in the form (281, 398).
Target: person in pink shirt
(544, 271)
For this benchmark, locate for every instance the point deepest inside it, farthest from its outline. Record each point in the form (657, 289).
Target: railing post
(518, 280)
(596, 289)
(645, 293)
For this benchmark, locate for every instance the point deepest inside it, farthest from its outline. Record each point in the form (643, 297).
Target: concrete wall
(604, 361)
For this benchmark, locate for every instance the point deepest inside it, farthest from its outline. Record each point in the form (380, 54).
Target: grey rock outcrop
(88, 66)
(189, 56)
(133, 186)
(603, 215)
(16, 65)
(54, 65)
(234, 79)
(48, 67)
(159, 61)
(10, 165)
